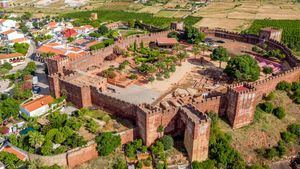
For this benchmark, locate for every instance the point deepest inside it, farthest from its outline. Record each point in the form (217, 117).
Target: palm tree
(203, 48)
(168, 62)
(196, 50)
(177, 47)
(181, 56)
(36, 139)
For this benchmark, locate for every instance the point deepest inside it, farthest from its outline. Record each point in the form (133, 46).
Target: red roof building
(69, 33)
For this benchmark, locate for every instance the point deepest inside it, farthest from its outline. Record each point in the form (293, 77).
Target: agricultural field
(225, 23)
(111, 15)
(237, 15)
(172, 14)
(291, 31)
(262, 133)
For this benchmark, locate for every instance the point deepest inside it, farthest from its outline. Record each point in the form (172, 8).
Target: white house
(15, 35)
(13, 58)
(8, 23)
(37, 107)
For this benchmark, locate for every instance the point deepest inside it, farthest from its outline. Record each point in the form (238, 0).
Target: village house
(11, 35)
(7, 147)
(84, 30)
(58, 48)
(8, 23)
(12, 58)
(37, 107)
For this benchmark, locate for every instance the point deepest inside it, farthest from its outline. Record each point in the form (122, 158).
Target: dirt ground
(266, 132)
(239, 15)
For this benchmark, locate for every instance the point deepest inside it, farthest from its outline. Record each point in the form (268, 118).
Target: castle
(184, 114)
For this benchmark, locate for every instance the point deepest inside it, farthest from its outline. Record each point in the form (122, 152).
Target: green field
(110, 15)
(291, 30)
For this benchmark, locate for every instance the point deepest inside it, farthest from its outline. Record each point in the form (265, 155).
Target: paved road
(42, 78)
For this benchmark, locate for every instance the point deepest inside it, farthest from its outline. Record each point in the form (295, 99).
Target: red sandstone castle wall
(82, 155)
(212, 104)
(255, 40)
(79, 95)
(114, 105)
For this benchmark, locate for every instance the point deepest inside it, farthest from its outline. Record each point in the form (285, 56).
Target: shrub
(167, 141)
(281, 148)
(207, 164)
(271, 153)
(133, 76)
(267, 70)
(106, 118)
(107, 142)
(267, 107)
(270, 96)
(295, 86)
(287, 137)
(139, 165)
(283, 85)
(147, 162)
(294, 129)
(279, 112)
(120, 164)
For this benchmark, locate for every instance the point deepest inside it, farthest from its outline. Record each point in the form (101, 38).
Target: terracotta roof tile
(166, 40)
(14, 151)
(11, 55)
(8, 32)
(37, 103)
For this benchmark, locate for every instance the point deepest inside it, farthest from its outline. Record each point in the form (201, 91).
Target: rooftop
(10, 56)
(163, 41)
(37, 103)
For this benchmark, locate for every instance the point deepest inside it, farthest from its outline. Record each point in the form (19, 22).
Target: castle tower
(196, 134)
(241, 105)
(56, 64)
(270, 33)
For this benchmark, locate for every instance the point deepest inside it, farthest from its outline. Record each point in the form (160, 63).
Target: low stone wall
(78, 156)
(59, 159)
(255, 40)
(128, 135)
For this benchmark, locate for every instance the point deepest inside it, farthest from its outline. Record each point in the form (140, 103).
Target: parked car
(36, 89)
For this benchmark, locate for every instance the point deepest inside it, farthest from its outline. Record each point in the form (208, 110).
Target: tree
(283, 85)
(36, 139)
(267, 107)
(26, 16)
(243, 68)
(30, 67)
(107, 142)
(279, 112)
(167, 141)
(103, 30)
(120, 164)
(21, 48)
(207, 164)
(9, 107)
(47, 148)
(196, 50)
(10, 160)
(7, 66)
(267, 70)
(59, 137)
(220, 54)
(181, 56)
(193, 35)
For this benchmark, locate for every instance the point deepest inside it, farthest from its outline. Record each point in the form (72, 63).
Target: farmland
(291, 31)
(110, 15)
